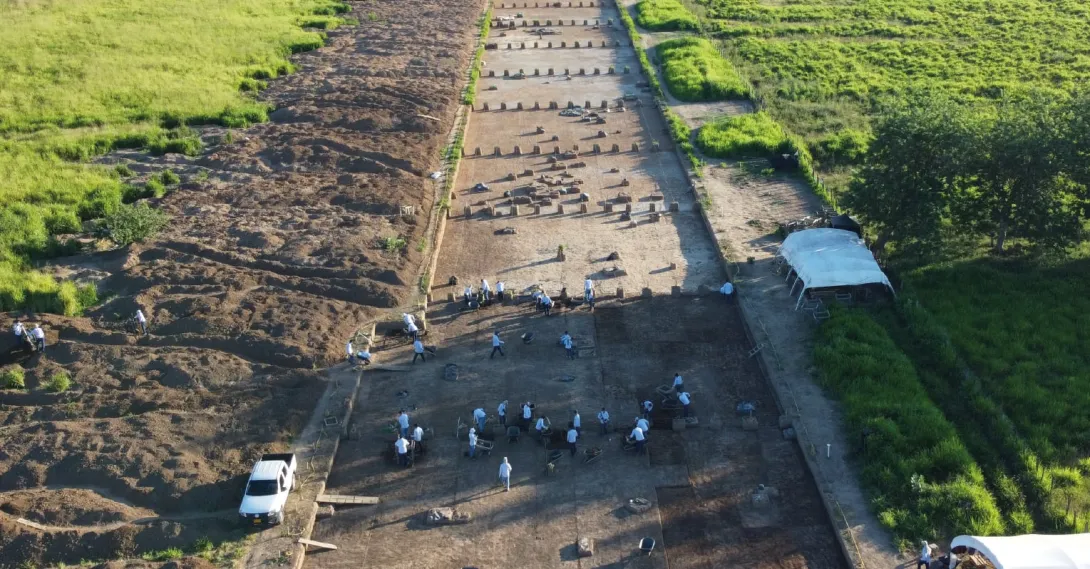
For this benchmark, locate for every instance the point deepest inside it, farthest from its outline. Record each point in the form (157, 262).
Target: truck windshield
(261, 488)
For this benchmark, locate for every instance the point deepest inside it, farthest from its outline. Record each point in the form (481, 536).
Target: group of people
(403, 445)
(36, 335)
(483, 296)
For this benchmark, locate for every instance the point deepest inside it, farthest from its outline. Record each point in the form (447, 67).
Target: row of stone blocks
(588, 43)
(582, 71)
(595, 149)
(553, 105)
(547, 5)
(646, 292)
(516, 210)
(526, 23)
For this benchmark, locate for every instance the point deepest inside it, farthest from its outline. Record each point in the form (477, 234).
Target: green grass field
(821, 66)
(78, 79)
(664, 15)
(694, 71)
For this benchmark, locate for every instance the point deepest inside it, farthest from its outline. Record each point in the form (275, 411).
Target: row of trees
(1016, 169)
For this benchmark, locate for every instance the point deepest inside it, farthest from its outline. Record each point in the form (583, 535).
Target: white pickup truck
(272, 478)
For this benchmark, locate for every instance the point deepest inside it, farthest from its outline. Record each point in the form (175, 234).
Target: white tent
(829, 258)
(1031, 551)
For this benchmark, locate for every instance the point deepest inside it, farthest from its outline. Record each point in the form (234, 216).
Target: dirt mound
(283, 243)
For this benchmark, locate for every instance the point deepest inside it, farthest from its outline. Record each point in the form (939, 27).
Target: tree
(911, 170)
(1020, 186)
(133, 223)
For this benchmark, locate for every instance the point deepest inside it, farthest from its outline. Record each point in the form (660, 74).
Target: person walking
(418, 438)
(566, 341)
(414, 332)
(573, 436)
(486, 290)
(407, 319)
(603, 420)
(480, 417)
(351, 353)
(501, 412)
(679, 384)
(577, 422)
(39, 337)
(684, 399)
(638, 437)
(505, 474)
(647, 407)
(472, 443)
(418, 351)
(527, 414)
(497, 345)
(588, 292)
(925, 556)
(500, 286)
(402, 447)
(403, 423)
(142, 321)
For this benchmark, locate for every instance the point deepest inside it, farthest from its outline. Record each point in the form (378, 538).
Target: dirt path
(747, 202)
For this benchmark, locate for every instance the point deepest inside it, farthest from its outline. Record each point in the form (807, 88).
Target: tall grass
(924, 482)
(470, 94)
(695, 71)
(663, 15)
(79, 79)
(754, 134)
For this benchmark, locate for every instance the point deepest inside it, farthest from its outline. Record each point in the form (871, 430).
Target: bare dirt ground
(270, 264)
(700, 481)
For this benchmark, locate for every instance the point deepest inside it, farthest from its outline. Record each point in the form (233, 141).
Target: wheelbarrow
(647, 545)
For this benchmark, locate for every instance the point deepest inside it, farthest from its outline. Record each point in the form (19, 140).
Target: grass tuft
(694, 71)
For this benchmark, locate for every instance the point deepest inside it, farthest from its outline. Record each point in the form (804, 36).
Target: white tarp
(830, 258)
(1032, 551)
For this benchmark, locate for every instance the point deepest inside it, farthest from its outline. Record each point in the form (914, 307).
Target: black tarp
(845, 222)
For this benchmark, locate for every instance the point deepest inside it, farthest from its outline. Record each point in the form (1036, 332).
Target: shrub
(694, 71)
(59, 382)
(393, 244)
(168, 554)
(660, 15)
(154, 188)
(60, 220)
(134, 223)
(843, 147)
(100, 202)
(924, 480)
(123, 170)
(753, 134)
(13, 378)
(169, 178)
(203, 545)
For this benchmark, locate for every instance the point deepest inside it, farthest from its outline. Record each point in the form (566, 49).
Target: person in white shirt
(527, 414)
(18, 329)
(577, 421)
(402, 448)
(364, 356)
(683, 398)
(603, 420)
(566, 341)
(469, 295)
(403, 423)
(588, 292)
(408, 319)
(472, 443)
(727, 290)
(505, 474)
(39, 337)
(486, 290)
(142, 321)
(925, 553)
(414, 332)
(573, 436)
(643, 424)
(637, 437)
(647, 406)
(500, 286)
(351, 353)
(418, 351)
(541, 427)
(497, 345)
(547, 304)
(501, 412)
(418, 438)
(679, 384)
(480, 417)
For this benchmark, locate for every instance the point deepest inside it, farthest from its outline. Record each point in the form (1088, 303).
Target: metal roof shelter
(824, 258)
(1031, 551)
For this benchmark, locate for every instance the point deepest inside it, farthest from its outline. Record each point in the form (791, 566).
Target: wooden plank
(316, 543)
(29, 523)
(343, 499)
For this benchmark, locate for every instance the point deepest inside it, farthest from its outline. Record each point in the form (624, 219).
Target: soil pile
(299, 232)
